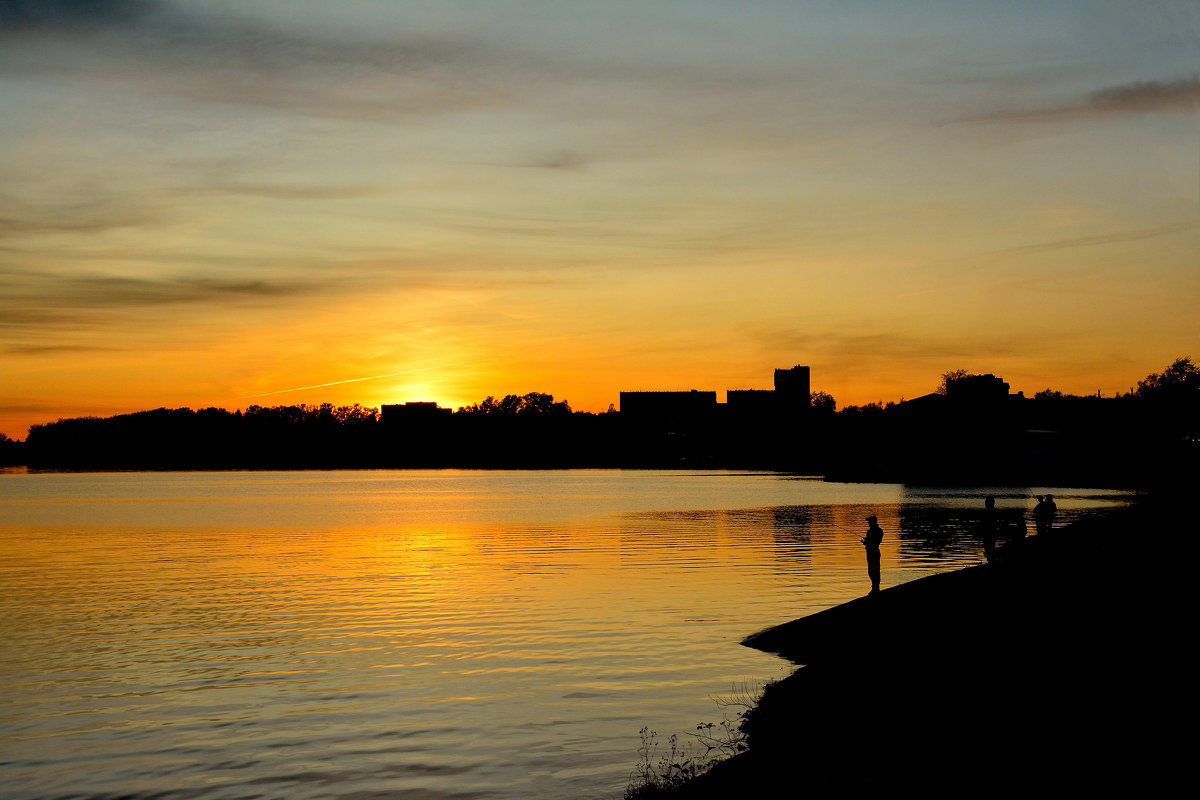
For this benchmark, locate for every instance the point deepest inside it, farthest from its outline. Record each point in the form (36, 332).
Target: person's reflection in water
(1043, 514)
(871, 543)
(989, 529)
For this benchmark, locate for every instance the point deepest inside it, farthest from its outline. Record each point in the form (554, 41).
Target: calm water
(436, 634)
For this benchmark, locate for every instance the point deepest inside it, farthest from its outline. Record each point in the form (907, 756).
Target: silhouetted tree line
(210, 438)
(11, 451)
(532, 403)
(970, 429)
(529, 430)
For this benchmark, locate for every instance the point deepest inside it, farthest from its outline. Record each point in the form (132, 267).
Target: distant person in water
(1043, 513)
(871, 543)
(990, 524)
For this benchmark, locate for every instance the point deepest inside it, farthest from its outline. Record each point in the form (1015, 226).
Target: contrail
(356, 380)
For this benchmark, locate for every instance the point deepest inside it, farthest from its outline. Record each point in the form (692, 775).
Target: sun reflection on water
(278, 634)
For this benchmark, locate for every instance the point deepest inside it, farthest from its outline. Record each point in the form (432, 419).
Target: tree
(512, 404)
(952, 375)
(822, 402)
(539, 403)
(10, 450)
(1180, 381)
(487, 406)
(355, 415)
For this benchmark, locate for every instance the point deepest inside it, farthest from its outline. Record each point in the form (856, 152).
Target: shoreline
(1061, 667)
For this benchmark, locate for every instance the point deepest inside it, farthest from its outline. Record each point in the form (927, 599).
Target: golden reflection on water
(277, 635)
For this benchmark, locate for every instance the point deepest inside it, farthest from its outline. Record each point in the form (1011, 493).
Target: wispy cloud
(1115, 237)
(395, 69)
(39, 317)
(848, 352)
(241, 59)
(1141, 97)
(366, 378)
(121, 291)
(67, 299)
(26, 16)
(563, 159)
(100, 212)
(1148, 96)
(25, 407)
(56, 349)
(279, 191)
(401, 69)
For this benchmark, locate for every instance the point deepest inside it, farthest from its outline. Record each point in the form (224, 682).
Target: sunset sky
(218, 203)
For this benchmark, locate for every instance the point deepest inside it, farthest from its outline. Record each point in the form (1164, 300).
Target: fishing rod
(861, 538)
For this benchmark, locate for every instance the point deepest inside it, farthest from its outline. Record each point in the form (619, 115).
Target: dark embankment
(1061, 669)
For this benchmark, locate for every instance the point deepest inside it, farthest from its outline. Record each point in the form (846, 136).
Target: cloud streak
(1115, 237)
(45, 304)
(1148, 96)
(359, 380)
(847, 349)
(1181, 95)
(117, 292)
(104, 211)
(236, 59)
(52, 349)
(25, 16)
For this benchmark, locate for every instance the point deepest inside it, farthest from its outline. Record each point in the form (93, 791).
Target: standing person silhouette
(871, 543)
(1043, 514)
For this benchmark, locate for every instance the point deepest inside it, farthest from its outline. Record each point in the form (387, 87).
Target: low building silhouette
(688, 405)
(405, 413)
(746, 402)
(752, 428)
(790, 397)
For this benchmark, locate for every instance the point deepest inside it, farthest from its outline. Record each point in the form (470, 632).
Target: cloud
(106, 212)
(563, 159)
(280, 191)
(41, 303)
(56, 349)
(241, 60)
(39, 317)
(1148, 96)
(387, 62)
(848, 352)
(103, 291)
(366, 378)
(1142, 97)
(26, 407)
(1115, 237)
(22, 16)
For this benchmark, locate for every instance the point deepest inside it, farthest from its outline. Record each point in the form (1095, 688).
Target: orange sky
(209, 204)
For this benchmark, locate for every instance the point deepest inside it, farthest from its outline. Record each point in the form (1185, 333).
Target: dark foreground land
(1067, 667)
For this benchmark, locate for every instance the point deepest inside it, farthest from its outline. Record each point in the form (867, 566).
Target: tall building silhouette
(793, 392)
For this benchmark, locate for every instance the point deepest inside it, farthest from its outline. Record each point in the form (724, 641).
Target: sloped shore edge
(1060, 667)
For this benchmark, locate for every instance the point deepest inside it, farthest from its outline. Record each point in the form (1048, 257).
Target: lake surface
(439, 634)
